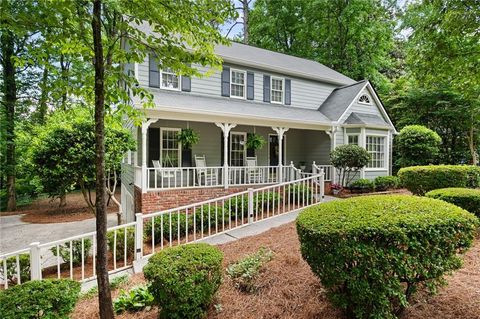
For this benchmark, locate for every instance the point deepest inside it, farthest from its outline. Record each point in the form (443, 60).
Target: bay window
(376, 148)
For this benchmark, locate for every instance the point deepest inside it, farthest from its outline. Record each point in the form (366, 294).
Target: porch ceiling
(175, 105)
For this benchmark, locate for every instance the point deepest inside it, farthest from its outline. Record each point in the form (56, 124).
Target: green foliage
(421, 179)
(348, 160)
(468, 199)
(367, 250)
(188, 137)
(244, 272)
(238, 206)
(40, 299)
(120, 242)
(136, 299)
(255, 141)
(383, 183)
(184, 279)
(115, 283)
(417, 145)
(64, 251)
(362, 185)
(299, 193)
(12, 276)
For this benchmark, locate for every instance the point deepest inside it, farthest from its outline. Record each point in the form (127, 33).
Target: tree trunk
(104, 293)
(246, 10)
(42, 104)
(471, 145)
(63, 200)
(10, 99)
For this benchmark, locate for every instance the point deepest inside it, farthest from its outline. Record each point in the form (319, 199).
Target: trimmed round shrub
(50, 298)
(371, 253)
(383, 183)
(362, 185)
(422, 179)
(417, 145)
(348, 160)
(468, 199)
(184, 279)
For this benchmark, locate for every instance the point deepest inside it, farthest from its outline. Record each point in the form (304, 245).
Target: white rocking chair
(205, 176)
(254, 173)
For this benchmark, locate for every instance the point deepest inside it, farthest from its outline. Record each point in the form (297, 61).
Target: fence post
(35, 264)
(138, 236)
(314, 168)
(250, 205)
(322, 185)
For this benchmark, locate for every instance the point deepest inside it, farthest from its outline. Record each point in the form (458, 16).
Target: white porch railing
(74, 257)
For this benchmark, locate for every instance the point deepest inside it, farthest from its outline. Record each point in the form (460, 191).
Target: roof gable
(340, 99)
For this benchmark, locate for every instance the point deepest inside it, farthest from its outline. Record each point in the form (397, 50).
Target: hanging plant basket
(255, 141)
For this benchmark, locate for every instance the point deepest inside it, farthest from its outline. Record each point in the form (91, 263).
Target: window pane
(237, 149)
(170, 148)
(169, 79)
(277, 90)
(376, 148)
(237, 85)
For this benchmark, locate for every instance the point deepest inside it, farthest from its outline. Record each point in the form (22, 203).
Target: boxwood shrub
(40, 299)
(362, 185)
(383, 183)
(184, 279)
(12, 275)
(468, 199)
(422, 179)
(372, 252)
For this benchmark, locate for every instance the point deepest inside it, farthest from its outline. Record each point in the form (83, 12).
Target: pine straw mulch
(288, 289)
(46, 211)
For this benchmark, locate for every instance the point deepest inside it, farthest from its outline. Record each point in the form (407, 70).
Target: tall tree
(243, 19)
(117, 33)
(354, 37)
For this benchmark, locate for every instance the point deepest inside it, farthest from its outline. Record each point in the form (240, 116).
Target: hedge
(362, 185)
(422, 179)
(383, 183)
(468, 199)
(366, 250)
(184, 279)
(40, 299)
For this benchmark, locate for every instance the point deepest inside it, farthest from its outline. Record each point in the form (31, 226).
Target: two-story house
(301, 108)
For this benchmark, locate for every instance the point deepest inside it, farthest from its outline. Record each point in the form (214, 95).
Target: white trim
(385, 151)
(376, 169)
(284, 147)
(351, 103)
(167, 88)
(244, 84)
(381, 107)
(244, 134)
(179, 147)
(362, 142)
(283, 89)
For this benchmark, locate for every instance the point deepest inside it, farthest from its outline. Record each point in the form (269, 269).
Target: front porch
(222, 158)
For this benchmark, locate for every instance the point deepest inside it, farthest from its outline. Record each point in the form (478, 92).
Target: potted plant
(336, 188)
(187, 137)
(254, 142)
(303, 165)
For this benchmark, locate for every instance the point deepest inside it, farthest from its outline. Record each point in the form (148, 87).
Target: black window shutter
(153, 145)
(186, 84)
(226, 81)
(288, 91)
(250, 86)
(266, 88)
(153, 71)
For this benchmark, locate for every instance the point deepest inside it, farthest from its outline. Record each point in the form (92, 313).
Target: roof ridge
(349, 85)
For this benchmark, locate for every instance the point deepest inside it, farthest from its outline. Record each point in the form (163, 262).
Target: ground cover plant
(135, 299)
(244, 272)
(422, 179)
(184, 279)
(372, 253)
(468, 199)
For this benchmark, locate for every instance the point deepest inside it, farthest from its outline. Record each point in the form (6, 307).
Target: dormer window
(170, 80)
(364, 99)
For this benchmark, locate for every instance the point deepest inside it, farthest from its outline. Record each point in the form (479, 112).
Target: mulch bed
(288, 289)
(46, 211)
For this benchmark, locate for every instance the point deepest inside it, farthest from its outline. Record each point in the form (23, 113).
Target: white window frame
(244, 97)
(353, 134)
(170, 73)
(179, 148)
(244, 134)
(271, 89)
(385, 152)
(368, 97)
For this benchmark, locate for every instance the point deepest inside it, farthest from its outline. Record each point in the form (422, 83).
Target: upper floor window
(364, 99)
(237, 83)
(376, 149)
(277, 90)
(170, 80)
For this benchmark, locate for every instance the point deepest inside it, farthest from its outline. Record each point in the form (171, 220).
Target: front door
(273, 149)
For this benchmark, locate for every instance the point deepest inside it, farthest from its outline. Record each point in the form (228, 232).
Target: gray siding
(128, 176)
(363, 108)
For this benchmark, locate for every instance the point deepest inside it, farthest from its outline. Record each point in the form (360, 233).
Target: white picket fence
(74, 257)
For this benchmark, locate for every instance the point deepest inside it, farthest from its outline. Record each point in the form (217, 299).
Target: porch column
(145, 126)
(333, 143)
(280, 132)
(226, 127)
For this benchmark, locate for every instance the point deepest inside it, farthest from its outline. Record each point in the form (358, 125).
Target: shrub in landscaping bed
(238, 206)
(184, 279)
(120, 242)
(383, 183)
(362, 185)
(422, 179)
(244, 272)
(371, 253)
(40, 299)
(64, 251)
(298, 193)
(12, 276)
(468, 199)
